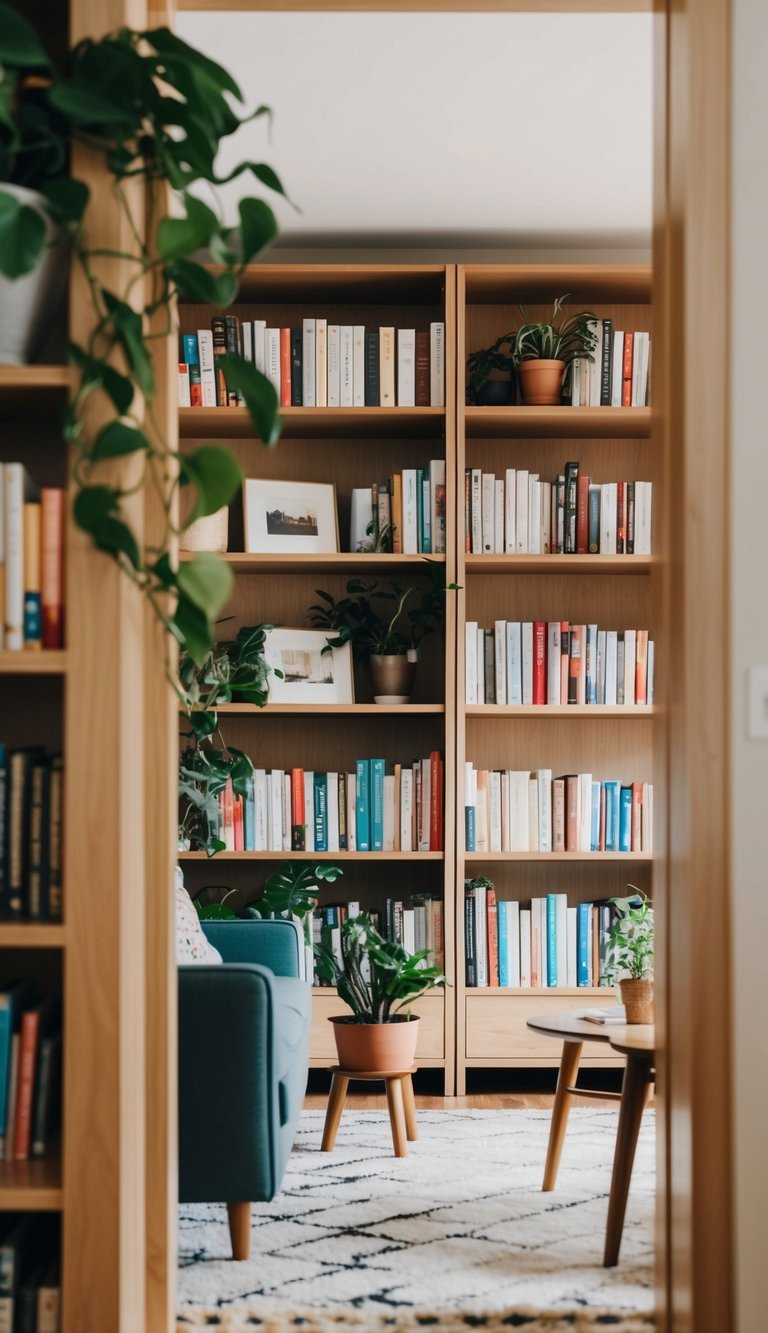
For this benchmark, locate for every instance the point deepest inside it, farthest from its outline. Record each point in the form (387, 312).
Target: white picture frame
(290, 517)
(309, 675)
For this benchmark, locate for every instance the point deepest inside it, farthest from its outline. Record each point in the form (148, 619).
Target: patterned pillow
(191, 944)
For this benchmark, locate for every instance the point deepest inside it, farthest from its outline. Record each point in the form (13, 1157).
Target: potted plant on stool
(543, 351)
(629, 955)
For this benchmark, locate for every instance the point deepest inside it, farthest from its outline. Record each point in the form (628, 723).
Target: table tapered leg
(397, 1115)
(569, 1068)
(634, 1093)
(409, 1105)
(336, 1099)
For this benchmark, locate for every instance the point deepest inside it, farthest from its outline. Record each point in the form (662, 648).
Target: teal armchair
(243, 1059)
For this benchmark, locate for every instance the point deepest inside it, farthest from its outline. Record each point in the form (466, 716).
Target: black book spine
(47, 1094)
(219, 331)
(233, 349)
(469, 937)
(297, 342)
(607, 366)
(389, 920)
(630, 517)
(372, 368)
(53, 906)
(39, 829)
(571, 489)
(5, 783)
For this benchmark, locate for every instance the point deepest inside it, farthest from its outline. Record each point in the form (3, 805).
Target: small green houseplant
(385, 623)
(629, 955)
(543, 351)
(491, 373)
(377, 979)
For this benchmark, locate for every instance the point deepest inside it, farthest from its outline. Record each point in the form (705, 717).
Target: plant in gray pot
(385, 623)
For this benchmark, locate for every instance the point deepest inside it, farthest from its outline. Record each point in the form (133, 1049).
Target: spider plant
(562, 339)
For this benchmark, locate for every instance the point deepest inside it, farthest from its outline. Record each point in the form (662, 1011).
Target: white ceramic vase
(29, 305)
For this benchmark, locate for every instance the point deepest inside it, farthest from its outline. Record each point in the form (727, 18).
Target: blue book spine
(625, 820)
(249, 821)
(470, 834)
(503, 920)
(321, 812)
(191, 349)
(552, 979)
(378, 768)
(583, 922)
(419, 509)
(33, 618)
(593, 520)
(594, 823)
(591, 683)
(362, 805)
(612, 816)
(426, 507)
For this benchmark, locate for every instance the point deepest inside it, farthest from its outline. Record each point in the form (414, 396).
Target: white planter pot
(29, 305)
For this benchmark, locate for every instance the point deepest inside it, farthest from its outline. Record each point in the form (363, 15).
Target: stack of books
(30, 1071)
(317, 364)
(546, 944)
(520, 514)
(415, 924)
(31, 796)
(30, 1281)
(619, 375)
(404, 514)
(557, 662)
(369, 810)
(31, 561)
(524, 811)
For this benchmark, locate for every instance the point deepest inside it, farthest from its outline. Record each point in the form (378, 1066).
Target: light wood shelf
(330, 710)
(592, 712)
(555, 857)
(338, 562)
(32, 935)
(315, 422)
(33, 1186)
(49, 663)
(558, 423)
(311, 856)
(25, 379)
(605, 993)
(559, 564)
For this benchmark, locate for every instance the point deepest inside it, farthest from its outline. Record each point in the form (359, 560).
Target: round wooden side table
(400, 1104)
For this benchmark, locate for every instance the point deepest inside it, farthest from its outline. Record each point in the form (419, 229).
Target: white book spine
(437, 364)
(534, 514)
(308, 364)
(275, 813)
(513, 943)
(260, 817)
(321, 362)
(488, 512)
(246, 333)
(351, 809)
(470, 661)
(527, 660)
(406, 367)
(334, 366)
(509, 510)
(259, 349)
(358, 365)
(14, 557)
(617, 368)
(514, 663)
(410, 535)
(533, 813)
(286, 812)
(576, 382)
(611, 665)
(347, 365)
(406, 810)
(481, 937)
(611, 518)
(649, 673)
(332, 810)
(426, 803)
(521, 513)
(544, 777)
(570, 950)
(272, 343)
(519, 830)
(630, 659)
(387, 366)
(476, 510)
(525, 947)
(480, 665)
(495, 811)
(545, 488)
(309, 810)
(500, 658)
(561, 927)
(585, 812)
(207, 374)
(553, 662)
(389, 813)
(600, 670)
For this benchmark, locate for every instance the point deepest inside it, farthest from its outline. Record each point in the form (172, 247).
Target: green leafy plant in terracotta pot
(543, 351)
(629, 955)
(385, 623)
(377, 979)
(491, 374)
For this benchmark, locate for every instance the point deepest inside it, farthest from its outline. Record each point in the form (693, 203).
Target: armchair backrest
(277, 944)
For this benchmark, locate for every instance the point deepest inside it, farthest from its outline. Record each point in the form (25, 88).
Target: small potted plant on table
(629, 955)
(377, 979)
(491, 374)
(543, 351)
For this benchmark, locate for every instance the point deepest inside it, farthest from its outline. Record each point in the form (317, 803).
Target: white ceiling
(485, 129)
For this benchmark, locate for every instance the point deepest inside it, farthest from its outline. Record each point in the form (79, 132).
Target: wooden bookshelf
(32, 1186)
(50, 663)
(614, 591)
(32, 935)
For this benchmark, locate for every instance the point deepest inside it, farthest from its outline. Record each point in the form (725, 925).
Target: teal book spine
(321, 812)
(503, 922)
(362, 805)
(378, 769)
(470, 828)
(583, 921)
(552, 979)
(612, 792)
(625, 820)
(249, 821)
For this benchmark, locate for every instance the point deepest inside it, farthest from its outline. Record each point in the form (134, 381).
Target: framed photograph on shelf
(310, 676)
(296, 517)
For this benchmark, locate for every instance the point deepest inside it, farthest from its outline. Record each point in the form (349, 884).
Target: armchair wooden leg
(240, 1229)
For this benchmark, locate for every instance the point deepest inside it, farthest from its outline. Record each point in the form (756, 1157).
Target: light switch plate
(757, 703)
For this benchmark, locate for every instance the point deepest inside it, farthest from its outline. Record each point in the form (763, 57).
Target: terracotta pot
(393, 678)
(637, 998)
(541, 382)
(376, 1047)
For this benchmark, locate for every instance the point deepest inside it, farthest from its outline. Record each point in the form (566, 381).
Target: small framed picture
(310, 676)
(290, 516)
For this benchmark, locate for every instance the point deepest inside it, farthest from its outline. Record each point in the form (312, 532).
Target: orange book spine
(641, 667)
(582, 514)
(51, 566)
(492, 914)
(298, 831)
(435, 802)
(285, 367)
(637, 817)
(30, 1032)
(237, 817)
(626, 370)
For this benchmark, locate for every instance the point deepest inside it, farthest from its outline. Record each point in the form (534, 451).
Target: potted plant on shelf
(385, 623)
(543, 351)
(629, 955)
(491, 374)
(377, 979)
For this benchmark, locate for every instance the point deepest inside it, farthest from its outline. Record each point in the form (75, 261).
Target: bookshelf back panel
(616, 751)
(519, 881)
(325, 744)
(32, 711)
(585, 283)
(34, 439)
(369, 883)
(620, 602)
(376, 284)
(602, 460)
(45, 965)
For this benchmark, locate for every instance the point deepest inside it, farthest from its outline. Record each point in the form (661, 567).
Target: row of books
(31, 793)
(30, 1279)
(522, 811)
(519, 514)
(31, 562)
(30, 1070)
(619, 375)
(546, 944)
(557, 662)
(318, 364)
(404, 514)
(369, 810)
(414, 924)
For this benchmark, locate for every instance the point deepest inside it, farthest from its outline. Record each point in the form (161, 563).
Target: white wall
(749, 554)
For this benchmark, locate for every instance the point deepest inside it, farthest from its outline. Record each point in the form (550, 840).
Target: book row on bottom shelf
(519, 810)
(31, 796)
(299, 810)
(544, 945)
(557, 662)
(30, 1071)
(415, 923)
(30, 1282)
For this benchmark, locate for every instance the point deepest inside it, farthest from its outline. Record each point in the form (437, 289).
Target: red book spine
(577, 680)
(637, 816)
(626, 372)
(285, 367)
(422, 398)
(582, 515)
(641, 667)
(435, 802)
(492, 914)
(237, 814)
(298, 839)
(51, 566)
(621, 517)
(30, 1032)
(539, 661)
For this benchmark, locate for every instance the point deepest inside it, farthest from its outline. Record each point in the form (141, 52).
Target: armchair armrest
(277, 944)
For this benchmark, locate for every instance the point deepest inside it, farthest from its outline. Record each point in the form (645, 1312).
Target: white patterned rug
(460, 1226)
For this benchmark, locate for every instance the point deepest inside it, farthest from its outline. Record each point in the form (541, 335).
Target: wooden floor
(480, 1101)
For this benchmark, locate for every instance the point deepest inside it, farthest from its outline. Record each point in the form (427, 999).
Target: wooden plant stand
(400, 1104)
